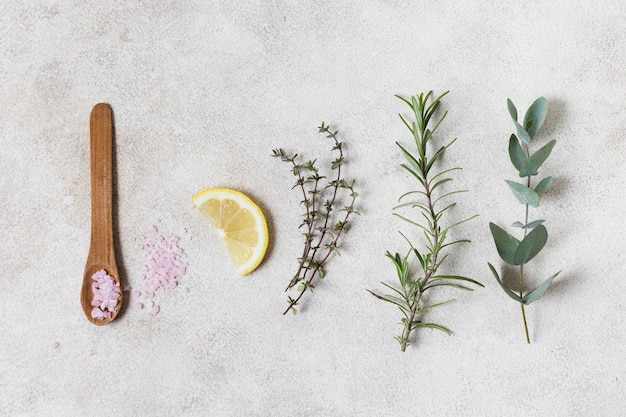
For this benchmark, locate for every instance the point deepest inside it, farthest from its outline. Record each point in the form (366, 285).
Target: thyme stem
(321, 236)
(315, 271)
(307, 244)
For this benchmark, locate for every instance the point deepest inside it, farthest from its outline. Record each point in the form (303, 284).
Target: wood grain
(102, 248)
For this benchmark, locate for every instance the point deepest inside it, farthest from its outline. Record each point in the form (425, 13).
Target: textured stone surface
(202, 92)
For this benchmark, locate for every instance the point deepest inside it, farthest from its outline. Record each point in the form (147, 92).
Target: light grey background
(202, 91)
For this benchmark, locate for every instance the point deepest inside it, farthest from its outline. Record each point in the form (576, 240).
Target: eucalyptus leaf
(543, 185)
(535, 294)
(518, 157)
(530, 246)
(528, 225)
(505, 243)
(522, 134)
(512, 109)
(535, 116)
(533, 163)
(524, 194)
(504, 287)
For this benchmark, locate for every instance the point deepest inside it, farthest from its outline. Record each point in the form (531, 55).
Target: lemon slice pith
(239, 222)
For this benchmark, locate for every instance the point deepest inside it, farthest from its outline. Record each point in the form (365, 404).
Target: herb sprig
(323, 223)
(427, 200)
(513, 251)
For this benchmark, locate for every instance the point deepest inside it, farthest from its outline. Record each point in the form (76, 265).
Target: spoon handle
(101, 128)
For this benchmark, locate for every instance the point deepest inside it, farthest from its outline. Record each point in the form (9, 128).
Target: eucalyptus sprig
(513, 251)
(323, 222)
(427, 200)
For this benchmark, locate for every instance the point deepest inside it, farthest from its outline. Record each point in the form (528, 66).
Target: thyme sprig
(511, 250)
(427, 200)
(324, 224)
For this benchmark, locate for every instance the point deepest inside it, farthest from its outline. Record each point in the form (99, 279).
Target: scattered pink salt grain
(55, 345)
(164, 265)
(106, 293)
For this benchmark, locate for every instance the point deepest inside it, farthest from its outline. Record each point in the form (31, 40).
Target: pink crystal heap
(164, 265)
(106, 292)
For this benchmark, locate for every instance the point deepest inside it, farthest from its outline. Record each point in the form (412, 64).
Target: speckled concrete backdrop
(202, 91)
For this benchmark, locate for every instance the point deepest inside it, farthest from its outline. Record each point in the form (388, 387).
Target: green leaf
(535, 116)
(429, 307)
(518, 157)
(512, 109)
(397, 291)
(433, 326)
(531, 245)
(528, 225)
(438, 154)
(533, 163)
(535, 294)
(457, 277)
(409, 157)
(415, 174)
(506, 290)
(505, 243)
(544, 185)
(391, 299)
(524, 194)
(447, 284)
(522, 134)
(401, 266)
(440, 182)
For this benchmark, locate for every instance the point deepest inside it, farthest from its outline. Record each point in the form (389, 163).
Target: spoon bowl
(102, 248)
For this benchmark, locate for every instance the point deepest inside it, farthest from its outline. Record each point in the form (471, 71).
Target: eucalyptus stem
(521, 267)
(535, 235)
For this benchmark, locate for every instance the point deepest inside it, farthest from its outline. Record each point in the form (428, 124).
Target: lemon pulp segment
(239, 222)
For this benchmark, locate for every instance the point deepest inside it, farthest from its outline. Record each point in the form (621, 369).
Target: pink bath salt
(164, 265)
(106, 293)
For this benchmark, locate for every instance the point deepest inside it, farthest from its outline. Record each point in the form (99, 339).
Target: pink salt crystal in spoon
(106, 293)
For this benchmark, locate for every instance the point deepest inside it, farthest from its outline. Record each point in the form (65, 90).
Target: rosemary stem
(435, 233)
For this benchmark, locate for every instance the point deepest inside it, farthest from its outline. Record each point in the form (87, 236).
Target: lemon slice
(239, 222)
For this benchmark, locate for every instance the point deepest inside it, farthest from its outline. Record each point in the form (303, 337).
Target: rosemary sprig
(426, 200)
(323, 223)
(511, 250)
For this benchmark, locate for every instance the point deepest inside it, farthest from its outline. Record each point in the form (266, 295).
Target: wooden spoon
(101, 250)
